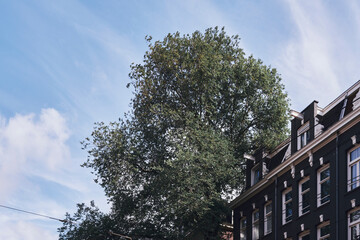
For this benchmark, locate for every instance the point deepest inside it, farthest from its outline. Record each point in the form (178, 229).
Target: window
(304, 236)
(255, 228)
(324, 231)
(243, 228)
(304, 196)
(287, 205)
(255, 175)
(354, 169)
(267, 218)
(354, 224)
(323, 188)
(303, 135)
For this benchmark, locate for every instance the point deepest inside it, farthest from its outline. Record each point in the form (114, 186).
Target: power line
(33, 213)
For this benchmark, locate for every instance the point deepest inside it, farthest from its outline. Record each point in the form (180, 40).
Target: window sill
(323, 204)
(351, 190)
(267, 233)
(286, 222)
(304, 214)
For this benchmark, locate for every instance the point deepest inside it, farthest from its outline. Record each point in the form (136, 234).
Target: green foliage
(86, 223)
(169, 165)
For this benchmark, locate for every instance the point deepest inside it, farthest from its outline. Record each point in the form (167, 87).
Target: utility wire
(33, 213)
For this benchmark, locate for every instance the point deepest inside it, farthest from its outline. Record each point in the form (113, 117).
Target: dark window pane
(302, 139)
(354, 175)
(268, 224)
(288, 211)
(306, 202)
(268, 208)
(355, 154)
(305, 185)
(325, 230)
(355, 216)
(307, 136)
(324, 174)
(307, 237)
(353, 233)
(325, 191)
(288, 196)
(256, 216)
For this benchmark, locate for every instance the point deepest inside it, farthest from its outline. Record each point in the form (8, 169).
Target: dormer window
(303, 135)
(255, 174)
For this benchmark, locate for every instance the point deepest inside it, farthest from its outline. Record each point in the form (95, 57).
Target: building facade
(309, 186)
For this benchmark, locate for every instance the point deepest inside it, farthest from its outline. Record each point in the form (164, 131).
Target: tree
(169, 165)
(86, 223)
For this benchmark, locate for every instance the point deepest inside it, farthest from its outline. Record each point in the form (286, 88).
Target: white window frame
(255, 225)
(243, 228)
(284, 205)
(304, 234)
(303, 132)
(355, 223)
(253, 171)
(322, 225)
(301, 193)
(356, 163)
(267, 217)
(320, 182)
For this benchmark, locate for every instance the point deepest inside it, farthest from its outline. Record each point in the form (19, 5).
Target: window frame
(322, 225)
(255, 224)
(355, 223)
(284, 203)
(319, 184)
(267, 215)
(303, 135)
(304, 234)
(243, 228)
(301, 195)
(351, 163)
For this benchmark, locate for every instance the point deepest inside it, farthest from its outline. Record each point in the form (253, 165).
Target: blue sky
(64, 65)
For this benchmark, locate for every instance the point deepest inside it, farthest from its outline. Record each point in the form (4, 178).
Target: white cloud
(30, 143)
(39, 175)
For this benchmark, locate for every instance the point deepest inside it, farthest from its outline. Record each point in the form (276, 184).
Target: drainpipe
(337, 185)
(275, 211)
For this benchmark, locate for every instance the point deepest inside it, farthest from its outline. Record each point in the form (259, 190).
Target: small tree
(169, 165)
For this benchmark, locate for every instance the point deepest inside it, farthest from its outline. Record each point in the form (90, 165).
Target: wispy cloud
(317, 62)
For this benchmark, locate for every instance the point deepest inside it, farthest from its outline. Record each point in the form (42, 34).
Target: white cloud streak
(318, 61)
(307, 57)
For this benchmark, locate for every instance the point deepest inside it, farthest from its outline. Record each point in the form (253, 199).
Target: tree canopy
(168, 166)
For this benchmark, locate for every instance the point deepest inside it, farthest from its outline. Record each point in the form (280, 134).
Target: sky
(64, 65)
